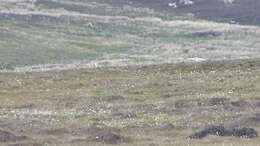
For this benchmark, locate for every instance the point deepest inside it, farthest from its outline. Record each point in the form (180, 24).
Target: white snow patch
(228, 1)
(186, 2)
(175, 3)
(196, 59)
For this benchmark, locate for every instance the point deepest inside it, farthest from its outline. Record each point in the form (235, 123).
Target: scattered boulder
(240, 103)
(220, 130)
(244, 132)
(167, 95)
(217, 130)
(108, 137)
(6, 136)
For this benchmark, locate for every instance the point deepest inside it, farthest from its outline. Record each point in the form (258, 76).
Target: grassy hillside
(107, 33)
(127, 72)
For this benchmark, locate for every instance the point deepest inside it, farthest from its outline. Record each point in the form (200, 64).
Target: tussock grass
(71, 100)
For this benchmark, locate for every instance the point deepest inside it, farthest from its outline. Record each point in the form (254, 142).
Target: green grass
(58, 107)
(34, 44)
(139, 38)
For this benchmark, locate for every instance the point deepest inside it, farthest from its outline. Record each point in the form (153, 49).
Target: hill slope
(187, 73)
(103, 33)
(240, 11)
